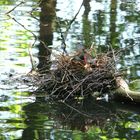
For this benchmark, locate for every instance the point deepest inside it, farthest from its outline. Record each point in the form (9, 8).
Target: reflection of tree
(86, 24)
(47, 15)
(34, 122)
(102, 24)
(113, 16)
(45, 118)
(98, 25)
(51, 119)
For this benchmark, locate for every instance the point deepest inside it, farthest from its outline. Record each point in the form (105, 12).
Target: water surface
(24, 116)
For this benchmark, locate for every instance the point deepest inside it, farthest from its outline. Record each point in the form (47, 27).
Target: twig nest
(78, 77)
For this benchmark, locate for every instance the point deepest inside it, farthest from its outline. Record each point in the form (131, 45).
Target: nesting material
(76, 77)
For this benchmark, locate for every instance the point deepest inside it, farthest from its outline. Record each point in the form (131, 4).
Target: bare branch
(15, 7)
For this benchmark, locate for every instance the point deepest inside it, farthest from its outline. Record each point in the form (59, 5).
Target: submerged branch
(124, 91)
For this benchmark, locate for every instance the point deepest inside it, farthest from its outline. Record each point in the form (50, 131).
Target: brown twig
(31, 57)
(84, 114)
(24, 28)
(15, 7)
(64, 36)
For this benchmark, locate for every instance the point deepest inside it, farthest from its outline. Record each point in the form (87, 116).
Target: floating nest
(74, 77)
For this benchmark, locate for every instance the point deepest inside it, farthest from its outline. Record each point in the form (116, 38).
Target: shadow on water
(88, 119)
(85, 119)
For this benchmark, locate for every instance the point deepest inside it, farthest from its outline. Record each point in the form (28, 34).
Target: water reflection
(114, 22)
(87, 119)
(87, 36)
(47, 15)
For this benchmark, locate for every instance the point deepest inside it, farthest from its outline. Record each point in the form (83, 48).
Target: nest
(74, 77)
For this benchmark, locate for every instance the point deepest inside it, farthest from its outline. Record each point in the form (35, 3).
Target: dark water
(104, 23)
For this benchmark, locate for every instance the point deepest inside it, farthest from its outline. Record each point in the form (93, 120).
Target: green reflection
(2, 49)
(51, 120)
(58, 121)
(7, 2)
(135, 84)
